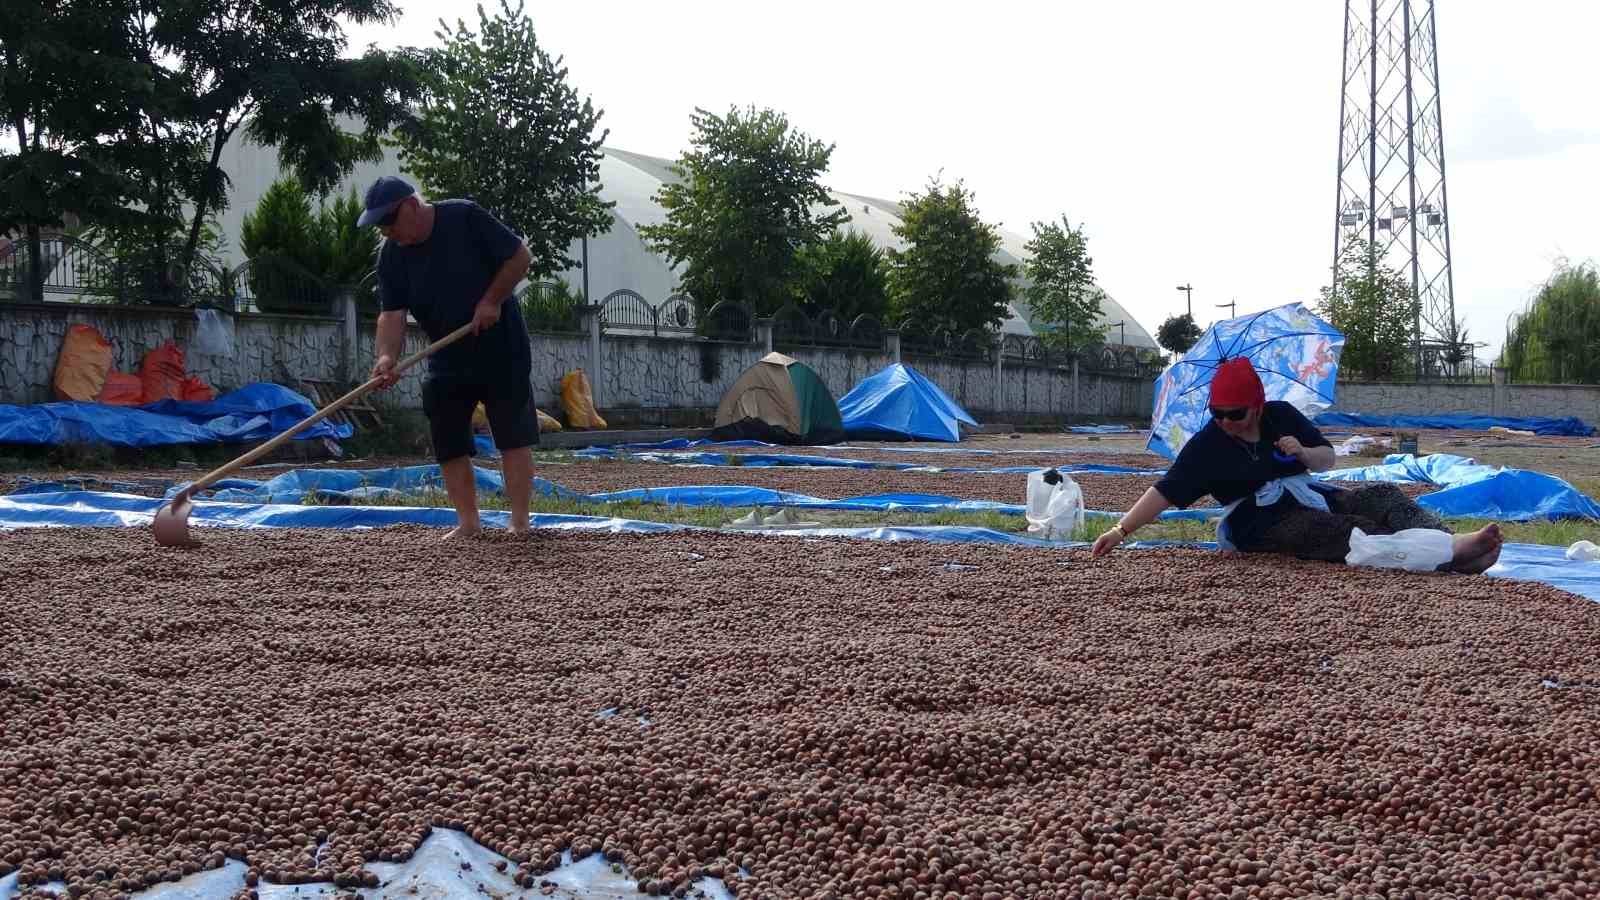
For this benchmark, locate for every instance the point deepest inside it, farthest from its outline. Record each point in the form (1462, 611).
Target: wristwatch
(1125, 532)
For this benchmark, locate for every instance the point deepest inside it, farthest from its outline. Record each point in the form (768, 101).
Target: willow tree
(1557, 339)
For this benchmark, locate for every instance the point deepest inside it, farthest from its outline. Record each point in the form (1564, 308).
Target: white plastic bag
(1055, 505)
(1583, 550)
(1415, 549)
(213, 334)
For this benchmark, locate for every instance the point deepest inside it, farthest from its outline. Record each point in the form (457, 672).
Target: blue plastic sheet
(1101, 429)
(764, 460)
(255, 412)
(1535, 424)
(900, 402)
(1470, 489)
(90, 509)
(398, 484)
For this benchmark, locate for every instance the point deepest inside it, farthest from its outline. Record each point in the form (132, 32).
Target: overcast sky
(1196, 141)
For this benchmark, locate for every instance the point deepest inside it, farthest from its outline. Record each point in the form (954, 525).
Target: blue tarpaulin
(396, 484)
(1481, 491)
(900, 403)
(1537, 425)
(1101, 429)
(87, 509)
(255, 412)
(766, 460)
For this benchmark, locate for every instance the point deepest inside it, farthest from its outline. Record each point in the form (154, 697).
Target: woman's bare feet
(1474, 553)
(462, 532)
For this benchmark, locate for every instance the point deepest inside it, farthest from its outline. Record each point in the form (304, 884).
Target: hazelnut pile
(834, 718)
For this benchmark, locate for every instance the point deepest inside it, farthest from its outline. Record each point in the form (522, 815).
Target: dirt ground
(839, 718)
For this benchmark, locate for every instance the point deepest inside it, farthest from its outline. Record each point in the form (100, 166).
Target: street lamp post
(1232, 305)
(1188, 300)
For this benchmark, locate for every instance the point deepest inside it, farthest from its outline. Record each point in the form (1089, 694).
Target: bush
(300, 258)
(550, 306)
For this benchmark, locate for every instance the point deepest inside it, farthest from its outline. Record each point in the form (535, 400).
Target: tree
(748, 200)
(948, 277)
(67, 79)
(498, 123)
(276, 70)
(1061, 289)
(1373, 306)
(844, 274)
(1178, 333)
(287, 240)
(1557, 339)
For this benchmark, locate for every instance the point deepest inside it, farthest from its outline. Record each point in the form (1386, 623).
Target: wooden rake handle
(355, 394)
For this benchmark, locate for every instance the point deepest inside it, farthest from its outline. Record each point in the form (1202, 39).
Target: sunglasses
(388, 221)
(1232, 415)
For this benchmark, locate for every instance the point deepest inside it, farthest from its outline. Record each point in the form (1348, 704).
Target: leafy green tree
(948, 277)
(498, 123)
(1061, 289)
(346, 252)
(287, 241)
(748, 200)
(1557, 339)
(1178, 333)
(277, 71)
(282, 224)
(67, 80)
(1373, 306)
(846, 274)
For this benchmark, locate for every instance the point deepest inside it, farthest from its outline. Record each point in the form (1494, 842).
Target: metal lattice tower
(1391, 162)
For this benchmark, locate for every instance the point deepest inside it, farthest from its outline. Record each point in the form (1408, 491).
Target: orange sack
(162, 373)
(122, 389)
(83, 365)
(577, 401)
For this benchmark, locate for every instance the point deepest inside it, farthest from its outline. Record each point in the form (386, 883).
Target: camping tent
(779, 400)
(900, 403)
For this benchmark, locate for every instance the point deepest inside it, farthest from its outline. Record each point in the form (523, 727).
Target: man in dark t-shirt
(449, 263)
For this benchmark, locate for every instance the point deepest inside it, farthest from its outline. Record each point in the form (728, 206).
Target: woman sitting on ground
(1253, 457)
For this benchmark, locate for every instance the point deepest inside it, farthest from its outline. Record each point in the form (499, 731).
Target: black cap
(384, 195)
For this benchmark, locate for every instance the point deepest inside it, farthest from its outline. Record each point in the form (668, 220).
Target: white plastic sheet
(1414, 549)
(213, 333)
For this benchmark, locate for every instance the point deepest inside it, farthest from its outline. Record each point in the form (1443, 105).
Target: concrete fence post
(589, 315)
(350, 337)
(891, 343)
(999, 364)
(764, 333)
(1074, 408)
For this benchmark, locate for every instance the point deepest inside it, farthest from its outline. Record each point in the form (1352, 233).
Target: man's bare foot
(520, 531)
(462, 532)
(1480, 564)
(1476, 552)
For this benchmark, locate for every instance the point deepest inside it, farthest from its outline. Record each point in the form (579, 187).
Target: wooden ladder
(326, 392)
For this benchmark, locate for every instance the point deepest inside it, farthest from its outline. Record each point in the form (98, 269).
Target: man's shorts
(449, 401)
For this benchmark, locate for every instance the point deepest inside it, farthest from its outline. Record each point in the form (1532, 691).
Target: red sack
(122, 389)
(162, 373)
(197, 391)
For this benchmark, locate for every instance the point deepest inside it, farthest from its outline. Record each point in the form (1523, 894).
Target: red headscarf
(1237, 384)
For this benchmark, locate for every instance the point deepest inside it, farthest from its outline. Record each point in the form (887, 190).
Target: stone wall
(1514, 400)
(641, 380)
(266, 347)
